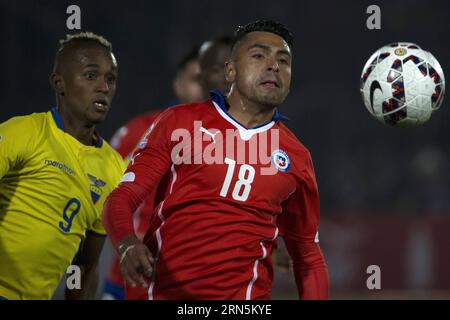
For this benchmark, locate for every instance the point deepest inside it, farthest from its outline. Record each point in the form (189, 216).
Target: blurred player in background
(213, 55)
(214, 232)
(55, 174)
(187, 89)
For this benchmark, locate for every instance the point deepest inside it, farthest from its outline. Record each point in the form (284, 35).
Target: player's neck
(76, 128)
(246, 112)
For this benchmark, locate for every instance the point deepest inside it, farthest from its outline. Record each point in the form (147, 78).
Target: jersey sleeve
(152, 156)
(298, 224)
(120, 165)
(16, 142)
(149, 163)
(300, 218)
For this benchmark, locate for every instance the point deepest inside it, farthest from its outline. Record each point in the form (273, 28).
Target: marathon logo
(60, 166)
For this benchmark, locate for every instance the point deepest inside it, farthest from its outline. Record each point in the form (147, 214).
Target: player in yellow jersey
(55, 174)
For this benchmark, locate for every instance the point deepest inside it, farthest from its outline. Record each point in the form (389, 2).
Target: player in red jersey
(212, 57)
(239, 179)
(187, 89)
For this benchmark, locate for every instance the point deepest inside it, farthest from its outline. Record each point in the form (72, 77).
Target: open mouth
(101, 104)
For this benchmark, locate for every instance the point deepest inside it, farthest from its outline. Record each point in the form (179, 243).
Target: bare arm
(87, 259)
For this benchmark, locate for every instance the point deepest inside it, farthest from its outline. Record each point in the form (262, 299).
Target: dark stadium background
(385, 192)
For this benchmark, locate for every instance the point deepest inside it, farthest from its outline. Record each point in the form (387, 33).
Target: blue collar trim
(60, 125)
(57, 118)
(99, 140)
(219, 98)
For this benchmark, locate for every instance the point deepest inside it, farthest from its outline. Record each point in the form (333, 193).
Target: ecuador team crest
(95, 187)
(280, 160)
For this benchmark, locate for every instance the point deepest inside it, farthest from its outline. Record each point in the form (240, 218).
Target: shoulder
(288, 138)
(190, 109)
(299, 155)
(184, 114)
(31, 121)
(22, 135)
(112, 156)
(24, 128)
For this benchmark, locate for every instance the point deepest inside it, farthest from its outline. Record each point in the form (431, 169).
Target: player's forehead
(265, 39)
(91, 55)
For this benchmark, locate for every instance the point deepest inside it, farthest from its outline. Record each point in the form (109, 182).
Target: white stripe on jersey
(246, 134)
(159, 239)
(248, 295)
(174, 177)
(158, 234)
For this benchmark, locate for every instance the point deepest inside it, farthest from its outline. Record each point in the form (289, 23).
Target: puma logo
(213, 135)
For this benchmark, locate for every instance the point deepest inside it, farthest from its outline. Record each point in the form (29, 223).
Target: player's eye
(111, 79)
(257, 56)
(90, 75)
(283, 61)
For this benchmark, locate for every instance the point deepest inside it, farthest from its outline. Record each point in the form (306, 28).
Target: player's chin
(97, 117)
(272, 99)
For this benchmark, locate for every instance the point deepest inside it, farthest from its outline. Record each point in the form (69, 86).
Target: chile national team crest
(280, 160)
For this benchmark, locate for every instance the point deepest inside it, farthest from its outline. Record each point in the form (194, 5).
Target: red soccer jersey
(232, 192)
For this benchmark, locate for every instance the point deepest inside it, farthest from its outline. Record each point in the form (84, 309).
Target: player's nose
(272, 65)
(103, 85)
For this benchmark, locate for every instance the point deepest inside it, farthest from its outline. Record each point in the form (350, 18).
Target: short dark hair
(265, 26)
(84, 38)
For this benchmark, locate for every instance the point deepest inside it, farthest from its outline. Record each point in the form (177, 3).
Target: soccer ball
(401, 85)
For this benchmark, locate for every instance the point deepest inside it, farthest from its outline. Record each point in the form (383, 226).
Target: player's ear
(57, 83)
(230, 71)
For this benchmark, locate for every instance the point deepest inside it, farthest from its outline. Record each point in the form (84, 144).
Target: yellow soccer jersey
(52, 190)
